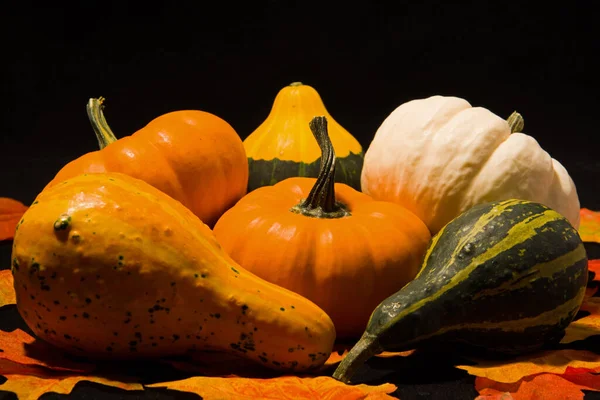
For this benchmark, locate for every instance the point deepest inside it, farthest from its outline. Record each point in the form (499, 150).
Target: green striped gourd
(505, 276)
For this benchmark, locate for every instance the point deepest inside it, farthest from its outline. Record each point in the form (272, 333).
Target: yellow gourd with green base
(283, 145)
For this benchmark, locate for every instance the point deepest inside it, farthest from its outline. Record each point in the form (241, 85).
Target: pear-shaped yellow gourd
(283, 145)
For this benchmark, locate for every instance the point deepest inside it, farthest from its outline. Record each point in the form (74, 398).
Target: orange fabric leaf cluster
(32, 368)
(589, 227)
(11, 212)
(23, 354)
(285, 387)
(7, 291)
(586, 326)
(553, 361)
(566, 386)
(32, 387)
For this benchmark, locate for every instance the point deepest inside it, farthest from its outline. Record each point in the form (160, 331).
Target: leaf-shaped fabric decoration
(594, 283)
(594, 266)
(553, 361)
(18, 350)
(7, 290)
(336, 356)
(567, 386)
(586, 326)
(29, 387)
(341, 351)
(389, 354)
(286, 387)
(589, 227)
(11, 212)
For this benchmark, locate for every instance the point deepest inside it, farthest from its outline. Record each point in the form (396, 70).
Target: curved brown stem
(364, 349)
(103, 132)
(321, 202)
(516, 122)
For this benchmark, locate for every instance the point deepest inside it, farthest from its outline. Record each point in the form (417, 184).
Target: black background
(231, 59)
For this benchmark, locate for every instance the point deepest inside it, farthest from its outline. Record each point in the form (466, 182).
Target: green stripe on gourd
(507, 276)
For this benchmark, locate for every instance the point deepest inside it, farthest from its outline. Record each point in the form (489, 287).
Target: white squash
(439, 156)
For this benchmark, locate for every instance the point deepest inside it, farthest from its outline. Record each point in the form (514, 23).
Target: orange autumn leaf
(590, 291)
(336, 356)
(389, 354)
(19, 351)
(553, 361)
(286, 387)
(589, 227)
(7, 290)
(340, 352)
(11, 212)
(567, 386)
(29, 387)
(583, 377)
(594, 266)
(586, 326)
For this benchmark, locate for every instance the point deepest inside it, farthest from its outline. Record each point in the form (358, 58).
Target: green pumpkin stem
(103, 132)
(364, 349)
(516, 122)
(321, 202)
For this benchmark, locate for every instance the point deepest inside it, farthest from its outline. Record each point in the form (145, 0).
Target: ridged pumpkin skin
(283, 146)
(346, 264)
(506, 277)
(439, 156)
(193, 156)
(107, 266)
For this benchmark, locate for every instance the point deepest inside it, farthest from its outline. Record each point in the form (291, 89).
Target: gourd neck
(515, 122)
(364, 349)
(321, 202)
(103, 132)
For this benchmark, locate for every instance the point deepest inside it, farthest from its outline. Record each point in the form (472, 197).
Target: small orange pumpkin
(191, 155)
(326, 241)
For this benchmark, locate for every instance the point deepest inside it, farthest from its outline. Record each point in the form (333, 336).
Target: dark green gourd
(505, 276)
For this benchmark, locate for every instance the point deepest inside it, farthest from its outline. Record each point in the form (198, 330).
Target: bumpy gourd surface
(191, 155)
(105, 265)
(439, 156)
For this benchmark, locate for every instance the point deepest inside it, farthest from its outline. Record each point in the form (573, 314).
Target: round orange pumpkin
(191, 155)
(326, 241)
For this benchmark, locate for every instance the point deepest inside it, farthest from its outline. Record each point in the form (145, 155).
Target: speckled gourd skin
(107, 266)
